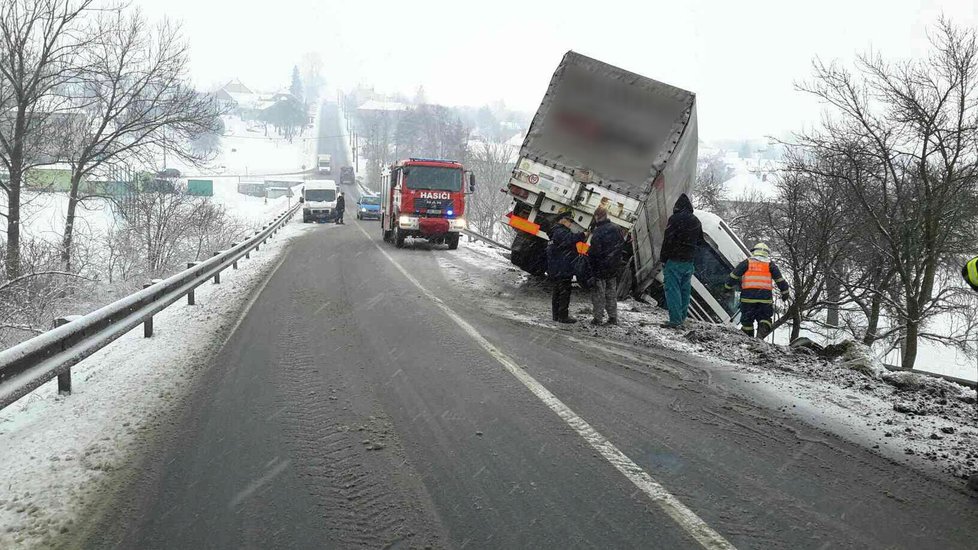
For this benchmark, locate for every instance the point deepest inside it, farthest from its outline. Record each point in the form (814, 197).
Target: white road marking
(683, 516)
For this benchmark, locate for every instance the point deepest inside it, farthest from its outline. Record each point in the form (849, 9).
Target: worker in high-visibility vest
(970, 273)
(757, 277)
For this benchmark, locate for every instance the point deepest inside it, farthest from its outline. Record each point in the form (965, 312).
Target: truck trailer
(604, 136)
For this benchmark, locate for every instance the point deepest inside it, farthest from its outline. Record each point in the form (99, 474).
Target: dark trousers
(339, 216)
(762, 314)
(560, 300)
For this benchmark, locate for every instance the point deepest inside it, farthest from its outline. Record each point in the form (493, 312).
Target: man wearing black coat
(561, 253)
(340, 207)
(605, 256)
(683, 235)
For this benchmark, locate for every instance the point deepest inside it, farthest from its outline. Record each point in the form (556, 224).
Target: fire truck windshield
(432, 177)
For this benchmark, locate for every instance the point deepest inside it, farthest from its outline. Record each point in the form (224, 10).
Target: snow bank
(58, 449)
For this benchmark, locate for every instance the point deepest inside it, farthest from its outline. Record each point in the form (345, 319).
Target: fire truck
(424, 198)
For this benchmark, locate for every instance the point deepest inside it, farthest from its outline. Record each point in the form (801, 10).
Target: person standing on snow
(340, 207)
(605, 256)
(684, 233)
(757, 276)
(561, 253)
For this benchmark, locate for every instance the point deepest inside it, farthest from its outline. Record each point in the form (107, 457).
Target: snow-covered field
(56, 449)
(921, 421)
(247, 151)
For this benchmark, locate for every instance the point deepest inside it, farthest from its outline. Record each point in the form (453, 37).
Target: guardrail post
(191, 298)
(64, 379)
(234, 264)
(148, 323)
(217, 276)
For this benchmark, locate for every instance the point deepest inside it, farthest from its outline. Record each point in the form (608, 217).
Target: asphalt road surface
(352, 408)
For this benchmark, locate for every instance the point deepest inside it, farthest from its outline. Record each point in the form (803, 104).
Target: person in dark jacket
(561, 253)
(605, 256)
(340, 207)
(684, 233)
(757, 276)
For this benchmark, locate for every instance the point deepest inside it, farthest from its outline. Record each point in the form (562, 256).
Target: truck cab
(424, 198)
(318, 201)
(324, 164)
(346, 175)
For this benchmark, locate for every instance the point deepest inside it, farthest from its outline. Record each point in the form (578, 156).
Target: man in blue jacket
(561, 253)
(683, 235)
(605, 256)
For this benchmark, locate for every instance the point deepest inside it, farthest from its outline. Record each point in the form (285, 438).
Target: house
(236, 95)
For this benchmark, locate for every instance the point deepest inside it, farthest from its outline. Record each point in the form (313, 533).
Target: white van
(318, 200)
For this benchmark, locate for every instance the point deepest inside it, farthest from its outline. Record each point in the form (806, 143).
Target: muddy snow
(922, 421)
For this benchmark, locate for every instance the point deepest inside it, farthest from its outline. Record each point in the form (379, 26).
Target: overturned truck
(606, 136)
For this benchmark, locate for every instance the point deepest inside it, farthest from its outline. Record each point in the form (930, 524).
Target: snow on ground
(246, 150)
(57, 449)
(925, 422)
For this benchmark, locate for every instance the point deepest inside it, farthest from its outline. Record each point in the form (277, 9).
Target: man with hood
(340, 208)
(757, 276)
(684, 233)
(605, 256)
(561, 253)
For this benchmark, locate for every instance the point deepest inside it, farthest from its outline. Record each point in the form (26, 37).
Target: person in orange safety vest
(757, 277)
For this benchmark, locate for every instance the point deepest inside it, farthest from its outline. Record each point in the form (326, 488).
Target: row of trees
(94, 87)
(877, 207)
(436, 131)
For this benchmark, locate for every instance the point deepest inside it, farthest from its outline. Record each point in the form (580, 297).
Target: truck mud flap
(529, 253)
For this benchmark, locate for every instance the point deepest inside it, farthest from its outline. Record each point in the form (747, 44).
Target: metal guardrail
(28, 365)
(948, 377)
(483, 238)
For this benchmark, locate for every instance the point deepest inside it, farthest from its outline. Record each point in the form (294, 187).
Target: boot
(748, 330)
(612, 320)
(567, 320)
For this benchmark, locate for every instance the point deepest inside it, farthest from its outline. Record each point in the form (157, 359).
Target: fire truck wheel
(398, 238)
(452, 241)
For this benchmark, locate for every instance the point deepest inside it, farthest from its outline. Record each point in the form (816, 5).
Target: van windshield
(713, 271)
(321, 195)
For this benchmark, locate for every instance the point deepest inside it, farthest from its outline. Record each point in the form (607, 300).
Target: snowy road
(350, 409)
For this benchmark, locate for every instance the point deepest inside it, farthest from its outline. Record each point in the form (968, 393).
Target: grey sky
(740, 57)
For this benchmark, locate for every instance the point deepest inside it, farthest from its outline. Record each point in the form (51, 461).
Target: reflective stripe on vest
(972, 267)
(757, 277)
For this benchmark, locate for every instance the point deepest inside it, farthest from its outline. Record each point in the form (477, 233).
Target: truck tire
(529, 253)
(452, 241)
(398, 238)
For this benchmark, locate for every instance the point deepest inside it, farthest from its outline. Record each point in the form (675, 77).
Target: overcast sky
(741, 58)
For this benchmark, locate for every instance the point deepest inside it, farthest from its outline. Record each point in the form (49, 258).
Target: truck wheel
(398, 238)
(452, 241)
(529, 253)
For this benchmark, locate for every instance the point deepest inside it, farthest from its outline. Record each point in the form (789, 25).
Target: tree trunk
(795, 324)
(70, 221)
(873, 322)
(910, 344)
(12, 257)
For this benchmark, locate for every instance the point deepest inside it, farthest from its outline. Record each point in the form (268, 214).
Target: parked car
(368, 207)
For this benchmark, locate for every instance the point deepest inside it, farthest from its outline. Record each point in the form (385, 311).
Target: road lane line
(683, 516)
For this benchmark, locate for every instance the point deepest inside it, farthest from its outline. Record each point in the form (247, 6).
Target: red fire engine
(424, 198)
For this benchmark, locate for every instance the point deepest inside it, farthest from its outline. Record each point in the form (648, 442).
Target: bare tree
(807, 226)
(136, 100)
(912, 128)
(492, 164)
(711, 173)
(39, 42)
